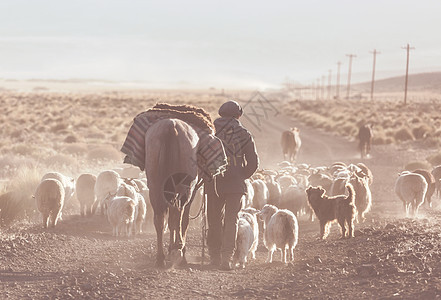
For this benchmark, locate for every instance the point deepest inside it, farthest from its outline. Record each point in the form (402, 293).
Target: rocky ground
(390, 257)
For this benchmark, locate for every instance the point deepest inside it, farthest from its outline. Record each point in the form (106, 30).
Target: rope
(198, 186)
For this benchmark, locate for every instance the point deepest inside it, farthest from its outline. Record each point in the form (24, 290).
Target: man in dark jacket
(224, 195)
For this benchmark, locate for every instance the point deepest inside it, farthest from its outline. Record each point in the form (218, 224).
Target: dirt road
(390, 257)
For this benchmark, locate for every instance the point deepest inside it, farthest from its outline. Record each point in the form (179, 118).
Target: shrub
(421, 131)
(403, 134)
(71, 139)
(77, 149)
(17, 202)
(105, 152)
(59, 160)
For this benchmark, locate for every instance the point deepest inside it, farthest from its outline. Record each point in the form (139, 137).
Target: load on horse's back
(176, 147)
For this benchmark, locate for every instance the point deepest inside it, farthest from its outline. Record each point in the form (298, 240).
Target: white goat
(281, 231)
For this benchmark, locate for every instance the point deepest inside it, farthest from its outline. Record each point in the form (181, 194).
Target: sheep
(367, 172)
(280, 231)
(261, 193)
(336, 167)
(247, 199)
(84, 187)
(121, 215)
(411, 189)
(140, 213)
(338, 186)
(294, 199)
(320, 179)
(363, 196)
(129, 171)
(67, 182)
(50, 196)
(285, 181)
(275, 192)
(431, 184)
(436, 172)
(247, 238)
(107, 184)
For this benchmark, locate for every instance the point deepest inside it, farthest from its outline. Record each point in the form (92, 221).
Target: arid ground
(390, 257)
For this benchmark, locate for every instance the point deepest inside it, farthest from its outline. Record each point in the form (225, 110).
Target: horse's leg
(159, 226)
(185, 221)
(176, 254)
(172, 229)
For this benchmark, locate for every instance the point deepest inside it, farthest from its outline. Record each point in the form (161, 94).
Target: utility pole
(323, 87)
(317, 89)
(329, 84)
(375, 52)
(408, 48)
(337, 96)
(349, 73)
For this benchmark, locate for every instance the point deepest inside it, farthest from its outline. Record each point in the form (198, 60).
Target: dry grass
(18, 201)
(394, 122)
(71, 133)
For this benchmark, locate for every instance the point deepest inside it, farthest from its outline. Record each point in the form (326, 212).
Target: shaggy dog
(281, 231)
(329, 209)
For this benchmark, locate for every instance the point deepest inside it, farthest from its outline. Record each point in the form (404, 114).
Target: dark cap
(230, 109)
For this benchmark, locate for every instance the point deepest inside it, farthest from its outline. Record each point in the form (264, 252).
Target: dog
(281, 231)
(339, 208)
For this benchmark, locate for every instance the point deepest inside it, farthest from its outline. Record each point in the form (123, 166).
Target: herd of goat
(338, 192)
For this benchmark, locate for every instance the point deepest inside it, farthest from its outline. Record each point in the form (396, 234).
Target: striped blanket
(211, 158)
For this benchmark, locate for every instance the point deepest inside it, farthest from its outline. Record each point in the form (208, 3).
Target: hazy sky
(206, 43)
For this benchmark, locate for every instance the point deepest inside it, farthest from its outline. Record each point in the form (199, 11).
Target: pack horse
(167, 141)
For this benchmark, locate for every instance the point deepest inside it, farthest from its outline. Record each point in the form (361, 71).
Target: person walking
(225, 193)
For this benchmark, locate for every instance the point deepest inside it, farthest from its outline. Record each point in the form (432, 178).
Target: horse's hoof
(176, 257)
(160, 264)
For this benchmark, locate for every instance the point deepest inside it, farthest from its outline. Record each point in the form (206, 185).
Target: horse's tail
(169, 153)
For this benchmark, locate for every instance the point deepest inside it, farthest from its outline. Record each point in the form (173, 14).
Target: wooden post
(349, 73)
(408, 48)
(337, 96)
(375, 52)
(329, 84)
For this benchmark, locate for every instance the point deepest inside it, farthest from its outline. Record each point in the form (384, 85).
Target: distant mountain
(416, 82)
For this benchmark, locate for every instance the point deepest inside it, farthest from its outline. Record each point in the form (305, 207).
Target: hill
(417, 82)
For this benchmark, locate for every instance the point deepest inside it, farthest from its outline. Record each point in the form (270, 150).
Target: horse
(172, 173)
(291, 143)
(365, 137)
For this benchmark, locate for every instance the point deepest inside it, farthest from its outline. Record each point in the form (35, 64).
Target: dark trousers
(222, 216)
